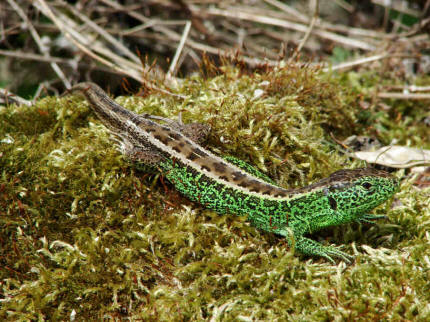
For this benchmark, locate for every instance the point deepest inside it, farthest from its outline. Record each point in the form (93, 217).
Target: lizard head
(360, 190)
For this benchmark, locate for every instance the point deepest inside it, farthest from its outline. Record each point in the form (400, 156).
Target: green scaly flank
(294, 217)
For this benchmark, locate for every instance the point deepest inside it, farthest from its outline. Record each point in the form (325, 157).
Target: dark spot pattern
(192, 156)
(175, 136)
(219, 167)
(205, 168)
(177, 148)
(243, 184)
(199, 152)
(163, 139)
(238, 176)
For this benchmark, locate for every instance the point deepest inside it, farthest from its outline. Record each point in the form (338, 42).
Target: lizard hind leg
(197, 132)
(145, 157)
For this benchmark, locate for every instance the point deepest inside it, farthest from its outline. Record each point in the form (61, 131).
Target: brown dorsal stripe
(201, 160)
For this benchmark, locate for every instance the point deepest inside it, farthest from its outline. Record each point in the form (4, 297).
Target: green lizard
(232, 186)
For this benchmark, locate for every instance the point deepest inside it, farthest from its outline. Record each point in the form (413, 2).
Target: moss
(85, 231)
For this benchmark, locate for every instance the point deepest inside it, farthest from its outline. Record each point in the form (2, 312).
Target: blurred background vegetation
(47, 45)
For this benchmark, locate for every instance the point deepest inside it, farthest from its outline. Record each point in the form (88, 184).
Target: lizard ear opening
(332, 202)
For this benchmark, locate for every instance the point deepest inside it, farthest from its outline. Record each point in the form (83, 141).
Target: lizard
(231, 186)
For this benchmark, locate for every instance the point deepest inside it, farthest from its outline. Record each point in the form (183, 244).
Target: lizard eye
(366, 185)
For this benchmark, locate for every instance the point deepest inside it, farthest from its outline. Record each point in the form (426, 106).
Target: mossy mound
(86, 234)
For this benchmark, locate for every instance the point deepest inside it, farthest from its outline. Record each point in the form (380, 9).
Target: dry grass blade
(118, 45)
(292, 12)
(89, 47)
(179, 49)
(39, 43)
(404, 96)
(172, 35)
(264, 34)
(365, 60)
(236, 14)
(308, 32)
(398, 6)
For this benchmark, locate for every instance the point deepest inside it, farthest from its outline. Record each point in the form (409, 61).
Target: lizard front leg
(311, 247)
(308, 246)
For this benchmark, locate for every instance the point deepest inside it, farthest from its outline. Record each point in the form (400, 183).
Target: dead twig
(357, 62)
(404, 96)
(289, 10)
(366, 60)
(13, 98)
(69, 62)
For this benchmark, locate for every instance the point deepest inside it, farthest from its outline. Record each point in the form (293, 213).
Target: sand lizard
(228, 185)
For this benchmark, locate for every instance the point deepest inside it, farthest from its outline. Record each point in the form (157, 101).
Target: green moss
(85, 231)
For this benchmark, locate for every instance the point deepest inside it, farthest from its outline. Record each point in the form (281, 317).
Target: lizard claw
(330, 252)
(369, 218)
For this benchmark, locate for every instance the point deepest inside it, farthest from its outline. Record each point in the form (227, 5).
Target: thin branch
(70, 62)
(360, 61)
(67, 33)
(397, 6)
(345, 5)
(411, 88)
(31, 56)
(293, 14)
(289, 10)
(415, 30)
(133, 69)
(11, 98)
